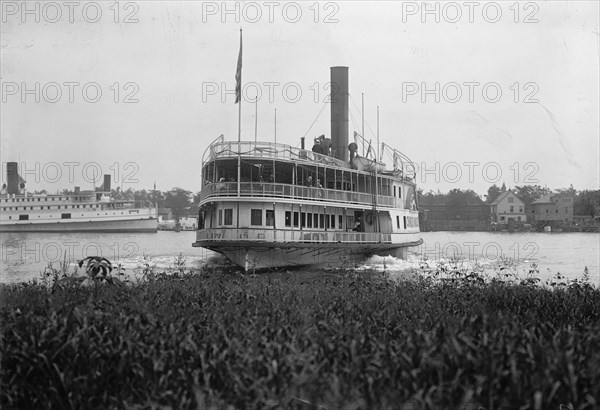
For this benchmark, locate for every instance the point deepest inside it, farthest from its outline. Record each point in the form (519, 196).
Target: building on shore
(508, 209)
(442, 217)
(554, 210)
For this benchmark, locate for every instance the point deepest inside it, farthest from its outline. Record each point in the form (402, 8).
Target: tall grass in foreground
(278, 341)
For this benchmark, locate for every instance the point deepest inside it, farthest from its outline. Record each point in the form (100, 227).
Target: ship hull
(251, 255)
(135, 225)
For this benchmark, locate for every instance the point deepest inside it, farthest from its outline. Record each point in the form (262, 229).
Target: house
(508, 208)
(165, 214)
(554, 208)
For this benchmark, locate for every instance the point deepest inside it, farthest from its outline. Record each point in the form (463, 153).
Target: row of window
(518, 218)
(24, 208)
(556, 210)
(46, 199)
(409, 221)
(296, 219)
(25, 217)
(301, 219)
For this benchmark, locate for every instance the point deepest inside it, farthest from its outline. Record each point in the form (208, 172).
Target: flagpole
(238, 99)
(239, 91)
(275, 125)
(255, 116)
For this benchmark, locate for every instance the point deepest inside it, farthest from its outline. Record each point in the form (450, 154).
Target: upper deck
(402, 166)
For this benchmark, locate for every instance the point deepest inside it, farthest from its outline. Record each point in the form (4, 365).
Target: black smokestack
(106, 185)
(12, 178)
(339, 112)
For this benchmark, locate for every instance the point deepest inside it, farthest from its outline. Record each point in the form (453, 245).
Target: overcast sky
(174, 62)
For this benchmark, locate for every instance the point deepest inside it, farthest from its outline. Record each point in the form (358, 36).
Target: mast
(238, 100)
(362, 114)
(376, 179)
(255, 116)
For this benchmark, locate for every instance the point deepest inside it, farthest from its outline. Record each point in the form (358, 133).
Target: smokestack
(106, 185)
(339, 112)
(12, 178)
(301, 142)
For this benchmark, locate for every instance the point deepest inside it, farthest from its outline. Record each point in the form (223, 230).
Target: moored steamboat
(78, 211)
(267, 205)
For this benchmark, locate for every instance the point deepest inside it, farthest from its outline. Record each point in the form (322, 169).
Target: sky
(474, 93)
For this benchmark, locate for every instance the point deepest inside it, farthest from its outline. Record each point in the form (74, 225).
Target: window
(220, 217)
(502, 218)
(332, 221)
(65, 216)
(23, 217)
(394, 190)
(399, 192)
(556, 211)
(512, 209)
(256, 217)
(398, 221)
(321, 220)
(296, 219)
(288, 218)
(511, 199)
(404, 218)
(316, 221)
(521, 209)
(518, 218)
(309, 221)
(228, 217)
(340, 221)
(303, 220)
(270, 217)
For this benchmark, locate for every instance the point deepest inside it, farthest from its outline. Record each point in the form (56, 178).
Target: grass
(345, 340)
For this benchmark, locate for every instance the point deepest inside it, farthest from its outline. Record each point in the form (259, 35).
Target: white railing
(289, 235)
(274, 190)
(271, 150)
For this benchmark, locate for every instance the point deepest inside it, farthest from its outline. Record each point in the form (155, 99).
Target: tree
(531, 193)
(587, 203)
(196, 200)
(493, 193)
(177, 199)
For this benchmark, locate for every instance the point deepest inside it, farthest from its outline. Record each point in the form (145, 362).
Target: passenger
(309, 181)
(320, 187)
(221, 184)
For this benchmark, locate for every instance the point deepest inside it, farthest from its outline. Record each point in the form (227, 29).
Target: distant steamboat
(80, 211)
(269, 205)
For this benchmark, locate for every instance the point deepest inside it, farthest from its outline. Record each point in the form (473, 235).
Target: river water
(24, 256)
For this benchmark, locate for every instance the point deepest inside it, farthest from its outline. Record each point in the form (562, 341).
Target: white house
(508, 208)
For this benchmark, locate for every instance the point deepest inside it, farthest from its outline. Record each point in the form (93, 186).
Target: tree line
(585, 202)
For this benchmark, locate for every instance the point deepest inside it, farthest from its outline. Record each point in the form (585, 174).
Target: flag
(238, 74)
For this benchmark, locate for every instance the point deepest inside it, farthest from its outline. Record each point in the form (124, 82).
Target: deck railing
(274, 190)
(289, 235)
(269, 150)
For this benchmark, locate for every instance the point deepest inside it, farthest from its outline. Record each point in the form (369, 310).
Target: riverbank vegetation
(289, 340)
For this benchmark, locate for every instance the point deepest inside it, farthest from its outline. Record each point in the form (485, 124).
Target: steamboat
(270, 205)
(78, 211)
